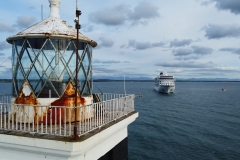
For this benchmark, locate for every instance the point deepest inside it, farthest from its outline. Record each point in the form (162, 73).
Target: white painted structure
(15, 147)
(54, 120)
(38, 121)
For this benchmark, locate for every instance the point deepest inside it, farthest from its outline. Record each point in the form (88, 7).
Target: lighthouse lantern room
(44, 57)
(44, 63)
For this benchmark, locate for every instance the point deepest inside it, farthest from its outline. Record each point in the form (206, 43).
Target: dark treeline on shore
(5, 80)
(109, 80)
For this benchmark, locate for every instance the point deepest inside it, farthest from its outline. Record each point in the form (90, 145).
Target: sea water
(197, 121)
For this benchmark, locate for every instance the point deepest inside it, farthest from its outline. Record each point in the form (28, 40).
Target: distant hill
(147, 79)
(151, 79)
(207, 80)
(5, 80)
(122, 78)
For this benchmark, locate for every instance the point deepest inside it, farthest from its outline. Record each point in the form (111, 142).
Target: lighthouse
(52, 112)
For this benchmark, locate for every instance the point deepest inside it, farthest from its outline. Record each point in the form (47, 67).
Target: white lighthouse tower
(52, 112)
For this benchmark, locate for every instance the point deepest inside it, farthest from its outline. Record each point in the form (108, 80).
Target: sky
(140, 38)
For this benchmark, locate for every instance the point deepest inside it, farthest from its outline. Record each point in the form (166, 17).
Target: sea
(198, 121)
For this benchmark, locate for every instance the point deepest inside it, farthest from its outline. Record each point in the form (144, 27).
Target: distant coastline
(109, 80)
(5, 80)
(134, 80)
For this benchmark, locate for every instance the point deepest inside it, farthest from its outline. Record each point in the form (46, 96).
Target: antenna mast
(42, 11)
(77, 27)
(76, 5)
(124, 86)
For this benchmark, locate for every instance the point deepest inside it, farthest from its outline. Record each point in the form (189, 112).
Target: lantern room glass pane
(50, 64)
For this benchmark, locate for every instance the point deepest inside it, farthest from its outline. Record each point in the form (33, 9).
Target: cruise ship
(164, 83)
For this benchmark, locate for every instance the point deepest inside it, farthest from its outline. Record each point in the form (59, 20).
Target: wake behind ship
(164, 83)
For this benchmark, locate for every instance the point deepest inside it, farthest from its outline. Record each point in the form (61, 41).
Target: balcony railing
(60, 120)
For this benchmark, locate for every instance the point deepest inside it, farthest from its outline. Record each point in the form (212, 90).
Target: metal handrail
(59, 120)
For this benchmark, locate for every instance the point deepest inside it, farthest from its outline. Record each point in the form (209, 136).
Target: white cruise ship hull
(165, 89)
(164, 83)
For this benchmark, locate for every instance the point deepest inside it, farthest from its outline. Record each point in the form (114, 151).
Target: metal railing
(59, 120)
(109, 96)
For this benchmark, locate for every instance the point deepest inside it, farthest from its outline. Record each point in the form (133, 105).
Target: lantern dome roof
(53, 26)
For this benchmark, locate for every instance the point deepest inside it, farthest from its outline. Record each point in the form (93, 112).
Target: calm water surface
(198, 121)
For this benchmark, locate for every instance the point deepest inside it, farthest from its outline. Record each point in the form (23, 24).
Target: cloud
(232, 50)
(6, 27)
(108, 73)
(216, 71)
(142, 45)
(109, 61)
(186, 58)
(106, 42)
(188, 64)
(221, 31)
(205, 3)
(195, 52)
(118, 15)
(105, 70)
(143, 11)
(123, 46)
(131, 43)
(202, 50)
(158, 44)
(175, 71)
(4, 60)
(231, 5)
(139, 45)
(229, 69)
(110, 16)
(4, 74)
(182, 52)
(24, 21)
(180, 43)
(88, 28)
(4, 45)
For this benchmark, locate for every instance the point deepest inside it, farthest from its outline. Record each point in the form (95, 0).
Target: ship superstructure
(164, 83)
